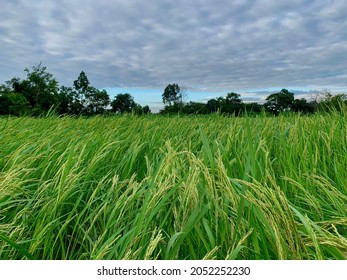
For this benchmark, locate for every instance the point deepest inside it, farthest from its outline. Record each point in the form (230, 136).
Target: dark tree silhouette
(279, 102)
(172, 95)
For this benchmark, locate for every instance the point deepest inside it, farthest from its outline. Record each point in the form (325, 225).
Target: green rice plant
(158, 187)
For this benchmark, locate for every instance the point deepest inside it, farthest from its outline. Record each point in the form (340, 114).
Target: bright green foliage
(37, 93)
(157, 187)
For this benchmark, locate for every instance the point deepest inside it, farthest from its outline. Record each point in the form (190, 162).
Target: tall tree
(43, 86)
(172, 95)
(91, 99)
(81, 86)
(39, 90)
(82, 82)
(97, 101)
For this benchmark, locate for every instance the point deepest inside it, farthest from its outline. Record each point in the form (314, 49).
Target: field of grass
(158, 187)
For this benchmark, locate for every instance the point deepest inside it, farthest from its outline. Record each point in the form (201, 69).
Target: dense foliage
(158, 187)
(40, 93)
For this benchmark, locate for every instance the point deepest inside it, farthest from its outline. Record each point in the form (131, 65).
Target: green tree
(37, 93)
(81, 86)
(172, 95)
(146, 109)
(195, 108)
(12, 102)
(69, 102)
(279, 102)
(40, 88)
(97, 101)
(4, 105)
(90, 99)
(232, 103)
(139, 110)
(301, 105)
(252, 108)
(233, 98)
(172, 109)
(18, 104)
(82, 83)
(123, 103)
(213, 105)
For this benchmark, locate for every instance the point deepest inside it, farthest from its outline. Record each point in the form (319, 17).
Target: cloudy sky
(251, 47)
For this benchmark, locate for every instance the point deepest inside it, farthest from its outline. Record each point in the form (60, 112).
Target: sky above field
(208, 47)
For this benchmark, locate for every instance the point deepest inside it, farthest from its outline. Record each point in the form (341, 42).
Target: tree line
(276, 103)
(40, 93)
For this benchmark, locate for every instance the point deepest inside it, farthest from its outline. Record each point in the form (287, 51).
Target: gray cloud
(204, 45)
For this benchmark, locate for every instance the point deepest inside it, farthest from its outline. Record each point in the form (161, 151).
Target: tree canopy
(123, 103)
(280, 102)
(172, 94)
(40, 93)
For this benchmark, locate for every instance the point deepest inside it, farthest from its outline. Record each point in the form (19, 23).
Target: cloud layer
(204, 45)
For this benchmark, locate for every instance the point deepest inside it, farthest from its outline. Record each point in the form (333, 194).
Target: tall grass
(155, 187)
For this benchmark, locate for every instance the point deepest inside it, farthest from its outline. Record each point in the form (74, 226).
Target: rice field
(175, 188)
